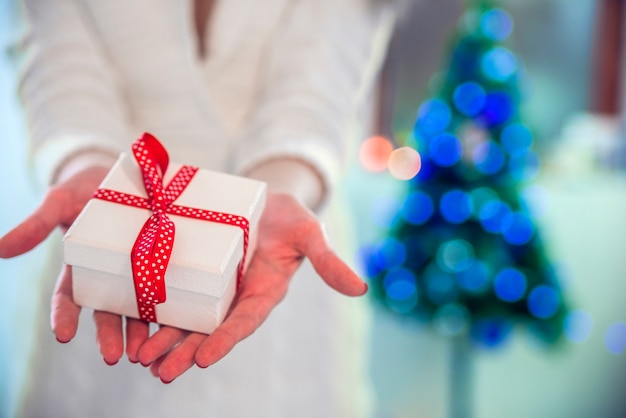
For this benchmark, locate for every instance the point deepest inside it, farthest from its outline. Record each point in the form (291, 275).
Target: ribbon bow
(151, 251)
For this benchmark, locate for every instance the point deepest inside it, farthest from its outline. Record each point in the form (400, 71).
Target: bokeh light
(492, 215)
(440, 286)
(510, 284)
(383, 255)
(517, 228)
(469, 98)
(615, 338)
(475, 278)
(455, 255)
(433, 117)
(456, 206)
(498, 108)
(524, 166)
(577, 326)
(418, 207)
(491, 332)
(516, 138)
(400, 290)
(480, 196)
(488, 157)
(499, 64)
(451, 319)
(445, 149)
(404, 163)
(374, 153)
(543, 301)
(496, 24)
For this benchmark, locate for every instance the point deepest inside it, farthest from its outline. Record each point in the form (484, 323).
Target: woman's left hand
(288, 232)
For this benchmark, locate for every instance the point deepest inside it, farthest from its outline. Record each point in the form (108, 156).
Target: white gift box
(201, 278)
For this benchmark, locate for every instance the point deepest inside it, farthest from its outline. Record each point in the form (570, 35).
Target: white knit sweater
(281, 78)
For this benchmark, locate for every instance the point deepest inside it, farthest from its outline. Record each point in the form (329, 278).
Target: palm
(287, 233)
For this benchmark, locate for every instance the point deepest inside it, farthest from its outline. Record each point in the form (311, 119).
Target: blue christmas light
(498, 108)
(498, 64)
(382, 256)
(399, 284)
(480, 196)
(474, 279)
(524, 166)
(456, 206)
(488, 157)
(543, 301)
(510, 284)
(455, 255)
(445, 150)
(440, 286)
(492, 215)
(469, 98)
(577, 326)
(418, 208)
(433, 117)
(496, 24)
(516, 138)
(615, 338)
(491, 332)
(517, 228)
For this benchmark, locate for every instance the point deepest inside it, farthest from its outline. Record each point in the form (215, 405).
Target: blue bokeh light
(488, 157)
(496, 24)
(418, 208)
(433, 117)
(469, 98)
(517, 228)
(440, 286)
(386, 254)
(543, 301)
(499, 64)
(456, 206)
(510, 284)
(455, 255)
(498, 109)
(399, 283)
(524, 166)
(492, 215)
(615, 338)
(475, 278)
(516, 138)
(491, 332)
(577, 326)
(445, 150)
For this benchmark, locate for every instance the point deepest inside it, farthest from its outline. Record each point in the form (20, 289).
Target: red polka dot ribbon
(151, 252)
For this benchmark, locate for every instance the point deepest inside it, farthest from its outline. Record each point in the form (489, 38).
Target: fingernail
(133, 361)
(61, 341)
(165, 381)
(113, 363)
(365, 288)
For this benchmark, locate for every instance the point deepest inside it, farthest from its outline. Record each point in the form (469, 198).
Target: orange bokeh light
(375, 152)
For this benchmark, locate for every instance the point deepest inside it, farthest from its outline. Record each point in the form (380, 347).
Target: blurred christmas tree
(465, 253)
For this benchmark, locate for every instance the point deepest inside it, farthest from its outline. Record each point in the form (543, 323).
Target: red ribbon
(151, 252)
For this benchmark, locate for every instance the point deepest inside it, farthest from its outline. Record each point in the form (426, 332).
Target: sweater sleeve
(322, 61)
(72, 102)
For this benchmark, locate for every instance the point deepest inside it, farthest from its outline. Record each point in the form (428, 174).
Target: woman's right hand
(59, 208)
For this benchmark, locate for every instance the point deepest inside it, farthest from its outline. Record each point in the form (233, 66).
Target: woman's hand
(288, 232)
(59, 208)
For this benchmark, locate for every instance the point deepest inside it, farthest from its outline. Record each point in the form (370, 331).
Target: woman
(263, 89)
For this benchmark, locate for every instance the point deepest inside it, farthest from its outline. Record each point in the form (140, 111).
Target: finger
(247, 315)
(328, 264)
(160, 343)
(109, 336)
(137, 333)
(64, 312)
(34, 229)
(180, 359)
